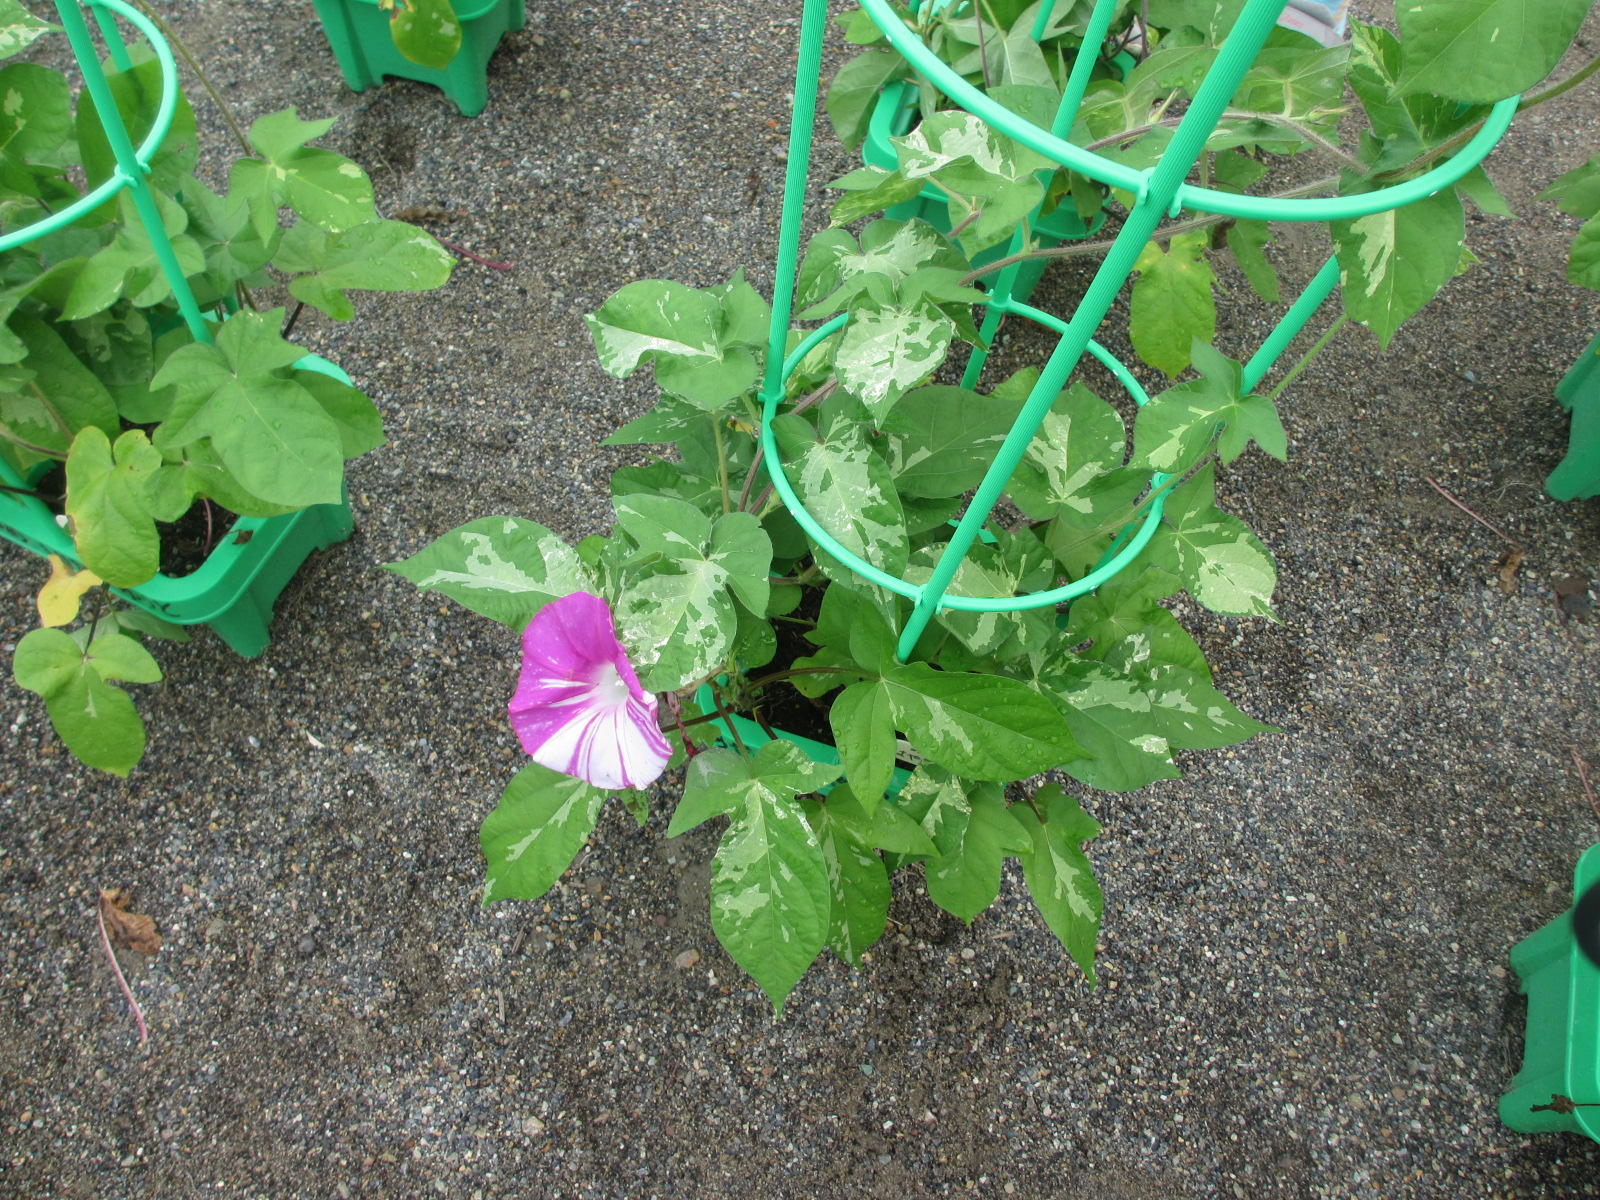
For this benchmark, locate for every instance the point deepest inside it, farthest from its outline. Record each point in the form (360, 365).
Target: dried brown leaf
(126, 927)
(1510, 564)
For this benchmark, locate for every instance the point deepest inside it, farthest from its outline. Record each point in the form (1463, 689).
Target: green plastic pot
(358, 30)
(753, 737)
(1578, 475)
(235, 588)
(1562, 1052)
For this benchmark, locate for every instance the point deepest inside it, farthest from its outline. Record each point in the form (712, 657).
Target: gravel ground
(1305, 986)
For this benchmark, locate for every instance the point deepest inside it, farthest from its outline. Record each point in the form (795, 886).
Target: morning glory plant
(790, 697)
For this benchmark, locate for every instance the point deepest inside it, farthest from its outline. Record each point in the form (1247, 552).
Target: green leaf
(1059, 876)
(128, 266)
(270, 432)
(138, 95)
(863, 729)
(1484, 50)
(505, 568)
(943, 439)
(770, 891)
(277, 136)
(1110, 716)
(112, 497)
(979, 726)
(967, 881)
(883, 354)
(382, 256)
(1392, 263)
(55, 390)
(426, 31)
(97, 722)
(854, 91)
(670, 419)
(1246, 239)
(534, 833)
(846, 487)
(1583, 267)
(1172, 304)
(19, 28)
(1577, 191)
(681, 331)
(859, 891)
(351, 410)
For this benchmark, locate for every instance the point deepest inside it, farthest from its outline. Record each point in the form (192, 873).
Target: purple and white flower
(578, 707)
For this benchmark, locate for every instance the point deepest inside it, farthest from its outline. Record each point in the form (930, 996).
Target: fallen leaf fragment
(1510, 564)
(62, 594)
(127, 928)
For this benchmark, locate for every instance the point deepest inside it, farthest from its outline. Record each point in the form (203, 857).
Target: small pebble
(306, 946)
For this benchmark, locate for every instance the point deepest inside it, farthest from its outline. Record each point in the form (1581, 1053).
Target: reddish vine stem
(1492, 528)
(1588, 790)
(116, 969)
(465, 253)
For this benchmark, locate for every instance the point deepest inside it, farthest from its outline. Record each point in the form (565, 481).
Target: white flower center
(610, 689)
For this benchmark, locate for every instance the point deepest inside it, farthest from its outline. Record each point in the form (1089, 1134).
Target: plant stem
(983, 51)
(789, 672)
(815, 398)
(1514, 544)
(722, 465)
(1305, 359)
(116, 969)
(465, 253)
(1081, 248)
(1588, 791)
(30, 447)
(205, 80)
(1566, 85)
(207, 504)
(727, 722)
(21, 491)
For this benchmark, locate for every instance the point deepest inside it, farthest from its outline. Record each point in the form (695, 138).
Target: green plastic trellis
(133, 164)
(1159, 191)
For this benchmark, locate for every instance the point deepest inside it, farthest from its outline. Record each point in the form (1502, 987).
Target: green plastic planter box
(753, 737)
(892, 117)
(235, 588)
(1578, 476)
(359, 33)
(1562, 1055)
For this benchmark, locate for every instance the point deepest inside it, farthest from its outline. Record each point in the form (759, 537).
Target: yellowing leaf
(63, 592)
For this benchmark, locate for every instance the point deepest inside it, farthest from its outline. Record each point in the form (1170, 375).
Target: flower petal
(579, 708)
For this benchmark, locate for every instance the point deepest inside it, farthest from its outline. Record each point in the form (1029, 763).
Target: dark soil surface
(1305, 989)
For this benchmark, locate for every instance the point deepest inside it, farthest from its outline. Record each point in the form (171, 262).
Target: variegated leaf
(770, 893)
(677, 623)
(966, 881)
(1110, 716)
(537, 829)
(505, 568)
(1058, 873)
(937, 800)
(884, 354)
(846, 487)
(1080, 442)
(858, 882)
